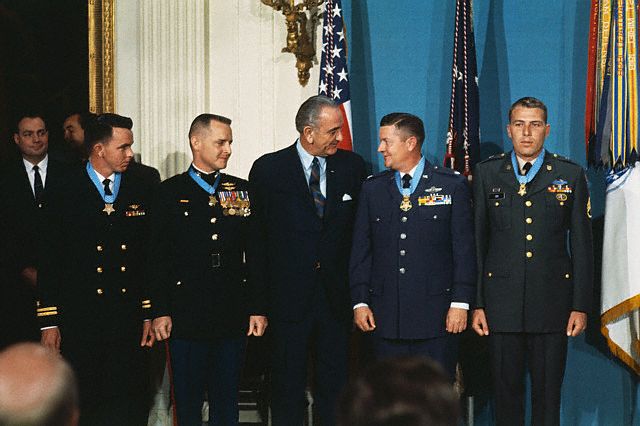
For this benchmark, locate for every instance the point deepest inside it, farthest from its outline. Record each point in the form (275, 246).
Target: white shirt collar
(42, 165)
(111, 177)
(307, 158)
(522, 162)
(202, 171)
(412, 171)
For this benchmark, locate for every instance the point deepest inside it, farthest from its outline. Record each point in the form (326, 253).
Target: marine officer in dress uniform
(202, 299)
(412, 263)
(93, 306)
(535, 261)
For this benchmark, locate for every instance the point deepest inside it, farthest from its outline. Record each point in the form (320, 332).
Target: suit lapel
(333, 175)
(296, 179)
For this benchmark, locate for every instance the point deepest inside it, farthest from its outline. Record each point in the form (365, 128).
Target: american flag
(334, 78)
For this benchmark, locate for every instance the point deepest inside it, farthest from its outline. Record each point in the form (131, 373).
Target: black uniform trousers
(544, 354)
(112, 378)
(328, 338)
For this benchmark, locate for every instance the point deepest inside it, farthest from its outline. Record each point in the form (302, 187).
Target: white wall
(175, 59)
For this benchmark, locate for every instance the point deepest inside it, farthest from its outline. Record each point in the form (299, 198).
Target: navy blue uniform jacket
(409, 266)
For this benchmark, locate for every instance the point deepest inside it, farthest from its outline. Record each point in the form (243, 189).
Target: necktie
(314, 187)
(107, 190)
(526, 168)
(406, 181)
(37, 183)
(210, 178)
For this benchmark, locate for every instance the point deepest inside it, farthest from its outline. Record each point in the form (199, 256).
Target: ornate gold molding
(101, 75)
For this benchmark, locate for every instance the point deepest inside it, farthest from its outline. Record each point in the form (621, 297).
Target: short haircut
(100, 128)
(407, 391)
(406, 122)
(203, 121)
(529, 102)
(84, 117)
(310, 110)
(27, 114)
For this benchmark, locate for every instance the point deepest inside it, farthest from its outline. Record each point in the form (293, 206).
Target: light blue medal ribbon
(524, 180)
(108, 199)
(405, 205)
(209, 189)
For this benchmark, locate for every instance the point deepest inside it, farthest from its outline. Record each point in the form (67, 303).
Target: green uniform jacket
(534, 251)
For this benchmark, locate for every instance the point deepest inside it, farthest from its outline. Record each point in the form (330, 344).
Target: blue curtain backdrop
(400, 55)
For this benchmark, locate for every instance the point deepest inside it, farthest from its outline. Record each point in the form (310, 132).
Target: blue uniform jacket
(409, 266)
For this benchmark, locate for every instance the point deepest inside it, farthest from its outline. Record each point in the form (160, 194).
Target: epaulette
(494, 157)
(379, 174)
(445, 170)
(563, 159)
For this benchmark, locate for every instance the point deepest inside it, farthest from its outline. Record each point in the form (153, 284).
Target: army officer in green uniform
(535, 265)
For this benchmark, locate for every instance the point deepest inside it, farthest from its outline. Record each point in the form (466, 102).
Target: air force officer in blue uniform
(412, 264)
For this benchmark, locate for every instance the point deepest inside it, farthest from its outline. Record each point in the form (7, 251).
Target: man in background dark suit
(93, 306)
(535, 265)
(413, 256)
(304, 199)
(76, 151)
(28, 186)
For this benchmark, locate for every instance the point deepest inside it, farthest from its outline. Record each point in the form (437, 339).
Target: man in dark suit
(535, 265)
(202, 299)
(304, 204)
(93, 306)
(413, 256)
(28, 186)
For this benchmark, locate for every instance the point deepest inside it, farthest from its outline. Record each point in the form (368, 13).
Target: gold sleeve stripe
(51, 308)
(46, 314)
(146, 301)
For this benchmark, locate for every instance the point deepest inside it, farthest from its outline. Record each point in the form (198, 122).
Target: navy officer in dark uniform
(93, 305)
(412, 263)
(535, 260)
(203, 301)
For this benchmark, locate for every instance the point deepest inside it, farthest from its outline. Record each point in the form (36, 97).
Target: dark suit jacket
(92, 279)
(409, 266)
(199, 274)
(22, 226)
(24, 215)
(294, 251)
(529, 277)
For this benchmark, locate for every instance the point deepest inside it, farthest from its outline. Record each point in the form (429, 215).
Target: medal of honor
(405, 205)
(108, 208)
(209, 189)
(109, 200)
(523, 189)
(524, 180)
